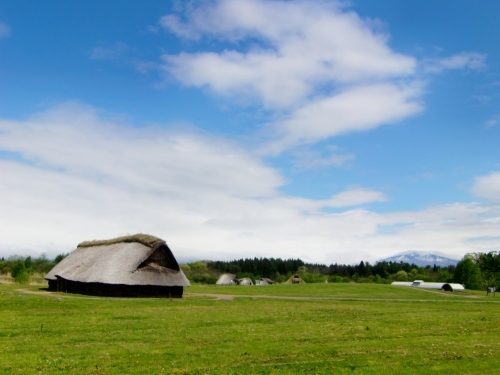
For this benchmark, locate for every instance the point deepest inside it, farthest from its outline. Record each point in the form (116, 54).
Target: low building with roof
(452, 287)
(245, 281)
(402, 283)
(449, 287)
(295, 279)
(264, 281)
(227, 279)
(131, 266)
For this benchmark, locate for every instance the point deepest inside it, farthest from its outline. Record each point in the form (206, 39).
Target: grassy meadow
(309, 329)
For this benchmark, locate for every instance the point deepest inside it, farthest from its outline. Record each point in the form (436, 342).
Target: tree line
(479, 270)
(475, 271)
(22, 269)
(281, 270)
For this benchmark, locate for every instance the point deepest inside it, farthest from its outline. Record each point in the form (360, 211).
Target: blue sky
(330, 131)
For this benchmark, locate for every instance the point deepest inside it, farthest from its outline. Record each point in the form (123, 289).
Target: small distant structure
(452, 287)
(264, 281)
(132, 266)
(449, 287)
(295, 279)
(227, 279)
(245, 281)
(424, 285)
(491, 289)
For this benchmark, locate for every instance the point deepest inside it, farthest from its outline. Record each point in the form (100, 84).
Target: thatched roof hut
(138, 265)
(264, 281)
(295, 279)
(245, 281)
(227, 279)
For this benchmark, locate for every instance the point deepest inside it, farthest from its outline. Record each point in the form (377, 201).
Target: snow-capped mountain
(421, 259)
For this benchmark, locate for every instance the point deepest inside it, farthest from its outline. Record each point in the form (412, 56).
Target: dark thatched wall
(115, 290)
(163, 257)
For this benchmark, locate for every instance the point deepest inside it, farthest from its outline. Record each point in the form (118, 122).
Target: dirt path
(59, 295)
(230, 297)
(45, 293)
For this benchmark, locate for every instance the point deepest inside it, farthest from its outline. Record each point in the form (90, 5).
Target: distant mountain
(422, 259)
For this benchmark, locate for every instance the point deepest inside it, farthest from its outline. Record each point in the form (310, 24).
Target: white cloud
(73, 138)
(452, 228)
(73, 173)
(355, 109)
(113, 52)
(356, 197)
(495, 120)
(322, 69)
(4, 30)
(487, 187)
(352, 197)
(304, 158)
(146, 66)
(463, 60)
(491, 123)
(300, 46)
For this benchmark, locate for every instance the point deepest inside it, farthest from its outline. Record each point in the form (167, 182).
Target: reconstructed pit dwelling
(131, 266)
(230, 279)
(295, 279)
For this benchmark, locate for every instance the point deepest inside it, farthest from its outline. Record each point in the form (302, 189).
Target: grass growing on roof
(144, 239)
(250, 335)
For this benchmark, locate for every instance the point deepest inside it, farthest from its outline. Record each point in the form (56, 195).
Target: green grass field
(332, 329)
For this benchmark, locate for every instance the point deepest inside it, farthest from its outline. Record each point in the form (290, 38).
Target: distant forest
(475, 270)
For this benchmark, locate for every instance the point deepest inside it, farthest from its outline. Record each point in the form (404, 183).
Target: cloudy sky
(333, 131)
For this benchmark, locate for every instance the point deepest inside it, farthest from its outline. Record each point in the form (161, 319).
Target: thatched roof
(227, 279)
(266, 281)
(130, 260)
(245, 281)
(144, 239)
(295, 279)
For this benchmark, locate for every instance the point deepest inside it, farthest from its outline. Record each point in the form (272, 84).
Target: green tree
(42, 264)
(28, 263)
(468, 274)
(445, 276)
(302, 270)
(18, 267)
(401, 276)
(362, 268)
(19, 272)
(413, 274)
(489, 264)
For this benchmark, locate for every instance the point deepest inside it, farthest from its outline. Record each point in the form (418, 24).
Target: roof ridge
(143, 239)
